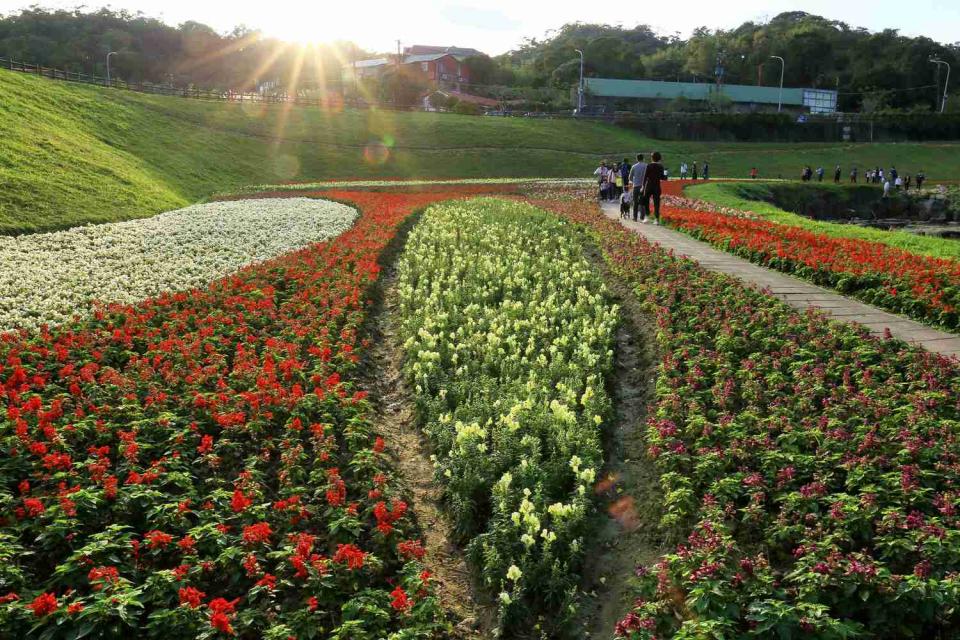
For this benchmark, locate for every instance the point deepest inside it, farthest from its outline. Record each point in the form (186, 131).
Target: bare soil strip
(628, 493)
(395, 420)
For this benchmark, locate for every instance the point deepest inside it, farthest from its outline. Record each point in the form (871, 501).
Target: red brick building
(441, 67)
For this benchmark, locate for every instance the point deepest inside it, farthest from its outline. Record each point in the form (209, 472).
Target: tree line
(872, 71)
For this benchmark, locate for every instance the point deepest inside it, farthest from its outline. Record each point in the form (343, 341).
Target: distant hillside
(75, 154)
(71, 154)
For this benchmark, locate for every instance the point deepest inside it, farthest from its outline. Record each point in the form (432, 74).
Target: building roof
(375, 62)
(424, 57)
(606, 87)
(460, 52)
(412, 59)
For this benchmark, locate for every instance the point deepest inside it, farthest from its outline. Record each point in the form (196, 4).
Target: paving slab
(797, 293)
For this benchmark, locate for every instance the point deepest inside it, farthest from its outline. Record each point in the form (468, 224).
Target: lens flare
(376, 153)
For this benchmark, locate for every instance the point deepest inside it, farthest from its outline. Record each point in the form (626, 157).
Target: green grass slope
(748, 196)
(74, 154)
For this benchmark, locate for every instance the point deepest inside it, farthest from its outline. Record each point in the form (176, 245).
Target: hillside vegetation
(75, 154)
(72, 154)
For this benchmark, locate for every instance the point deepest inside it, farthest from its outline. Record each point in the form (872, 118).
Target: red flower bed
(809, 471)
(203, 462)
(923, 287)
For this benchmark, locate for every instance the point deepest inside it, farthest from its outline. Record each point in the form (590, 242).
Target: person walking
(853, 176)
(906, 182)
(637, 173)
(683, 170)
(625, 173)
(706, 170)
(921, 176)
(820, 174)
(754, 173)
(836, 175)
(652, 177)
(694, 175)
(886, 188)
(601, 173)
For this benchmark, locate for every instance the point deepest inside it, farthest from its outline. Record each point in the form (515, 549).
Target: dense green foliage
(875, 70)
(508, 343)
(750, 196)
(152, 51)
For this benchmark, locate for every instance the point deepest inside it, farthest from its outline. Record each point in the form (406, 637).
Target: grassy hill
(72, 154)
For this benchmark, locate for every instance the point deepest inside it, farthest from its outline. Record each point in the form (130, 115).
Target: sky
(496, 26)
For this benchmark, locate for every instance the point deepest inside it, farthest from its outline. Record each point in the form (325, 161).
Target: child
(625, 199)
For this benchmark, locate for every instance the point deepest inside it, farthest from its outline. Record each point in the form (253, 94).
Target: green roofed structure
(621, 93)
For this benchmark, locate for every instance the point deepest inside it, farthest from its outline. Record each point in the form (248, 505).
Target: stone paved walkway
(795, 292)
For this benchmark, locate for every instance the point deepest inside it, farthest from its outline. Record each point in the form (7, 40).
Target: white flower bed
(348, 184)
(50, 277)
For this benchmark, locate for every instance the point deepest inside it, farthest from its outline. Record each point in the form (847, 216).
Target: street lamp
(112, 53)
(938, 62)
(780, 95)
(580, 86)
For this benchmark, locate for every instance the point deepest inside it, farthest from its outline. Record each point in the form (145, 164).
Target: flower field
(922, 287)
(48, 278)
(811, 470)
(201, 464)
(198, 458)
(508, 342)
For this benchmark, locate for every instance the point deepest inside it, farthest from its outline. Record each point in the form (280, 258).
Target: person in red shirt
(651, 186)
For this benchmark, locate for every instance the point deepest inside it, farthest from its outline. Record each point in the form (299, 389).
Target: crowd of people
(637, 185)
(891, 179)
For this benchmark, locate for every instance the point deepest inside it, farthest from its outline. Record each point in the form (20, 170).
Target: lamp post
(580, 85)
(938, 62)
(112, 53)
(780, 95)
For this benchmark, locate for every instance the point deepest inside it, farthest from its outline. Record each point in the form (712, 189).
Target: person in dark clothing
(853, 175)
(706, 170)
(651, 186)
(921, 176)
(836, 175)
(625, 171)
(694, 175)
(636, 179)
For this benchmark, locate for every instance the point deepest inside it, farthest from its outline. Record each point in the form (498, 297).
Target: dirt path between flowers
(395, 419)
(629, 490)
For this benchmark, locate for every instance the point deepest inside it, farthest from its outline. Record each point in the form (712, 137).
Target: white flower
(514, 573)
(47, 278)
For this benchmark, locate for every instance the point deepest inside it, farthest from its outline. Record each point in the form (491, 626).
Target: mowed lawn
(76, 154)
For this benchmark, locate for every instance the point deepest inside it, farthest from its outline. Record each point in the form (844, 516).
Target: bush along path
(508, 339)
(203, 464)
(795, 292)
(925, 288)
(811, 469)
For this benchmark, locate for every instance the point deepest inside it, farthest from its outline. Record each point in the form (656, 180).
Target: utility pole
(112, 53)
(580, 86)
(938, 62)
(396, 86)
(780, 95)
